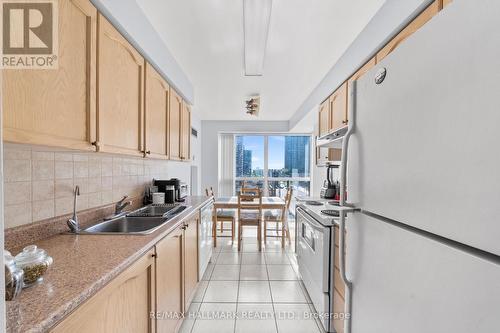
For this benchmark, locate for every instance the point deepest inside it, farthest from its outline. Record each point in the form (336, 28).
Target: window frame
(266, 178)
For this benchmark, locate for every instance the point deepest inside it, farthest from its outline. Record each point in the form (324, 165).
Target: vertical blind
(226, 165)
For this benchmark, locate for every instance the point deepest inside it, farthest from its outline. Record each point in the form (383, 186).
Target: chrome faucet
(73, 221)
(120, 205)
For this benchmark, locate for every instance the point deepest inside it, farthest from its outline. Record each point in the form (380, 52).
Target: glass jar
(13, 277)
(34, 262)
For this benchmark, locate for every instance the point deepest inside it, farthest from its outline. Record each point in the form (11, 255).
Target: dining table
(232, 203)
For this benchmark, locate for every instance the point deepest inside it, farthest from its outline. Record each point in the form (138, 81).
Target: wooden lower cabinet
(169, 282)
(190, 258)
(56, 107)
(124, 305)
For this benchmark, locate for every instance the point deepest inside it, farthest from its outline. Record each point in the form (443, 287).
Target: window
(273, 163)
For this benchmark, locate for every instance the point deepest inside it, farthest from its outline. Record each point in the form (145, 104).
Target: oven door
(313, 256)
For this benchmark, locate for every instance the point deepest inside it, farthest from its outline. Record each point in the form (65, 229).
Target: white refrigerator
(423, 174)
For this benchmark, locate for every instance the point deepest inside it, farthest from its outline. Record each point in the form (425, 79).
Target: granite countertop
(83, 264)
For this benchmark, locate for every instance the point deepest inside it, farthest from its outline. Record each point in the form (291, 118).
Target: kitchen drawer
(338, 283)
(338, 308)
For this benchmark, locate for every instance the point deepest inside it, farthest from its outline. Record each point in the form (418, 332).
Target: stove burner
(331, 212)
(334, 203)
(314, 203)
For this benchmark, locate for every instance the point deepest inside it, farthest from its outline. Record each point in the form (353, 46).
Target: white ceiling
(306, 38)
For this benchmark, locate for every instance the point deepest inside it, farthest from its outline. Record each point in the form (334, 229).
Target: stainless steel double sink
(141, 222)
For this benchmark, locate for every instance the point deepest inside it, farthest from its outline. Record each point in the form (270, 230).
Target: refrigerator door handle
(345, 144)
(343, 276)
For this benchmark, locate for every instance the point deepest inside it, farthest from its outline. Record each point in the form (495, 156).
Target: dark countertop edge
(69, 307)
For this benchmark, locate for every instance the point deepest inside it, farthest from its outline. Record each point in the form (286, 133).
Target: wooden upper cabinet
(360, 72)
(124, 305)
(174, 128)
(186, 132)
(446, 2)
(169, 284)
(57, 107)
(411, 28)
(338, 107)
(157, 93)
(120, 93)
(190, 258)
(324, 117)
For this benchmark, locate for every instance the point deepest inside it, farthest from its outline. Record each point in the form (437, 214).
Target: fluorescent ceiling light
(256, 17)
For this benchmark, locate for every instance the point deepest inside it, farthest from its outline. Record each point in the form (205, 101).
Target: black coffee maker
(330, 188)
(175, 182)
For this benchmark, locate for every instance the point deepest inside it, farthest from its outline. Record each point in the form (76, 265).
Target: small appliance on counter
(180, 188)
(330, 188)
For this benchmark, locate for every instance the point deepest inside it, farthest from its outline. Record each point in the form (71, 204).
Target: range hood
(332, 139)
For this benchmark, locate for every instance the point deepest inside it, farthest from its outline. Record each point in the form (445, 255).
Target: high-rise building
(247, 162)
(243, 159)
(297, 155)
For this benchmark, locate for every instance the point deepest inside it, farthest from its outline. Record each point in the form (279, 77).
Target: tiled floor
(251, 292)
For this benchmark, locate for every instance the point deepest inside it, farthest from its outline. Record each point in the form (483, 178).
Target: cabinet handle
(344, 122)
(145, 152)
(154, 255)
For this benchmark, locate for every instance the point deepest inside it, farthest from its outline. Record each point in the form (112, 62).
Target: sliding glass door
(273, 163)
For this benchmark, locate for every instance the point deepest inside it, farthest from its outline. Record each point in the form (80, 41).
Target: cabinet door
(338, 107)
(175, 125)
(360, 72)
(186, 132)
(169, 280)
(324, 117)
(446, 2)
(190, 258)
(120, 93)
(124, 305)
(156, 114)
(57, 107)
(411, 28)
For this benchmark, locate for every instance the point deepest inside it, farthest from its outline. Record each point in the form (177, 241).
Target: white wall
(209, 144)
(387, 22)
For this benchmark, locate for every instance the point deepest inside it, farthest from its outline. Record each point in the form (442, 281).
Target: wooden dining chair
(222, 215)
(250, 214)
(279, 216)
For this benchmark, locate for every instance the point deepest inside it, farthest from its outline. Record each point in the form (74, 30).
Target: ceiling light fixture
(253, 105)
(256, 19)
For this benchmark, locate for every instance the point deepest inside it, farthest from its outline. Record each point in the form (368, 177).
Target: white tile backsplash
(39, 182)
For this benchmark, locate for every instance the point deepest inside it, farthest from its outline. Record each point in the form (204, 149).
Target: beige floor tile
(277, 258)
(226, 272)
(200, 291)
(215, 318)
(287, 292)
(228, 258)
(295, 318)
(253, 272)
(256, 317)
(281, 272)
(221, 291)
(253, 259)
(254, 292)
